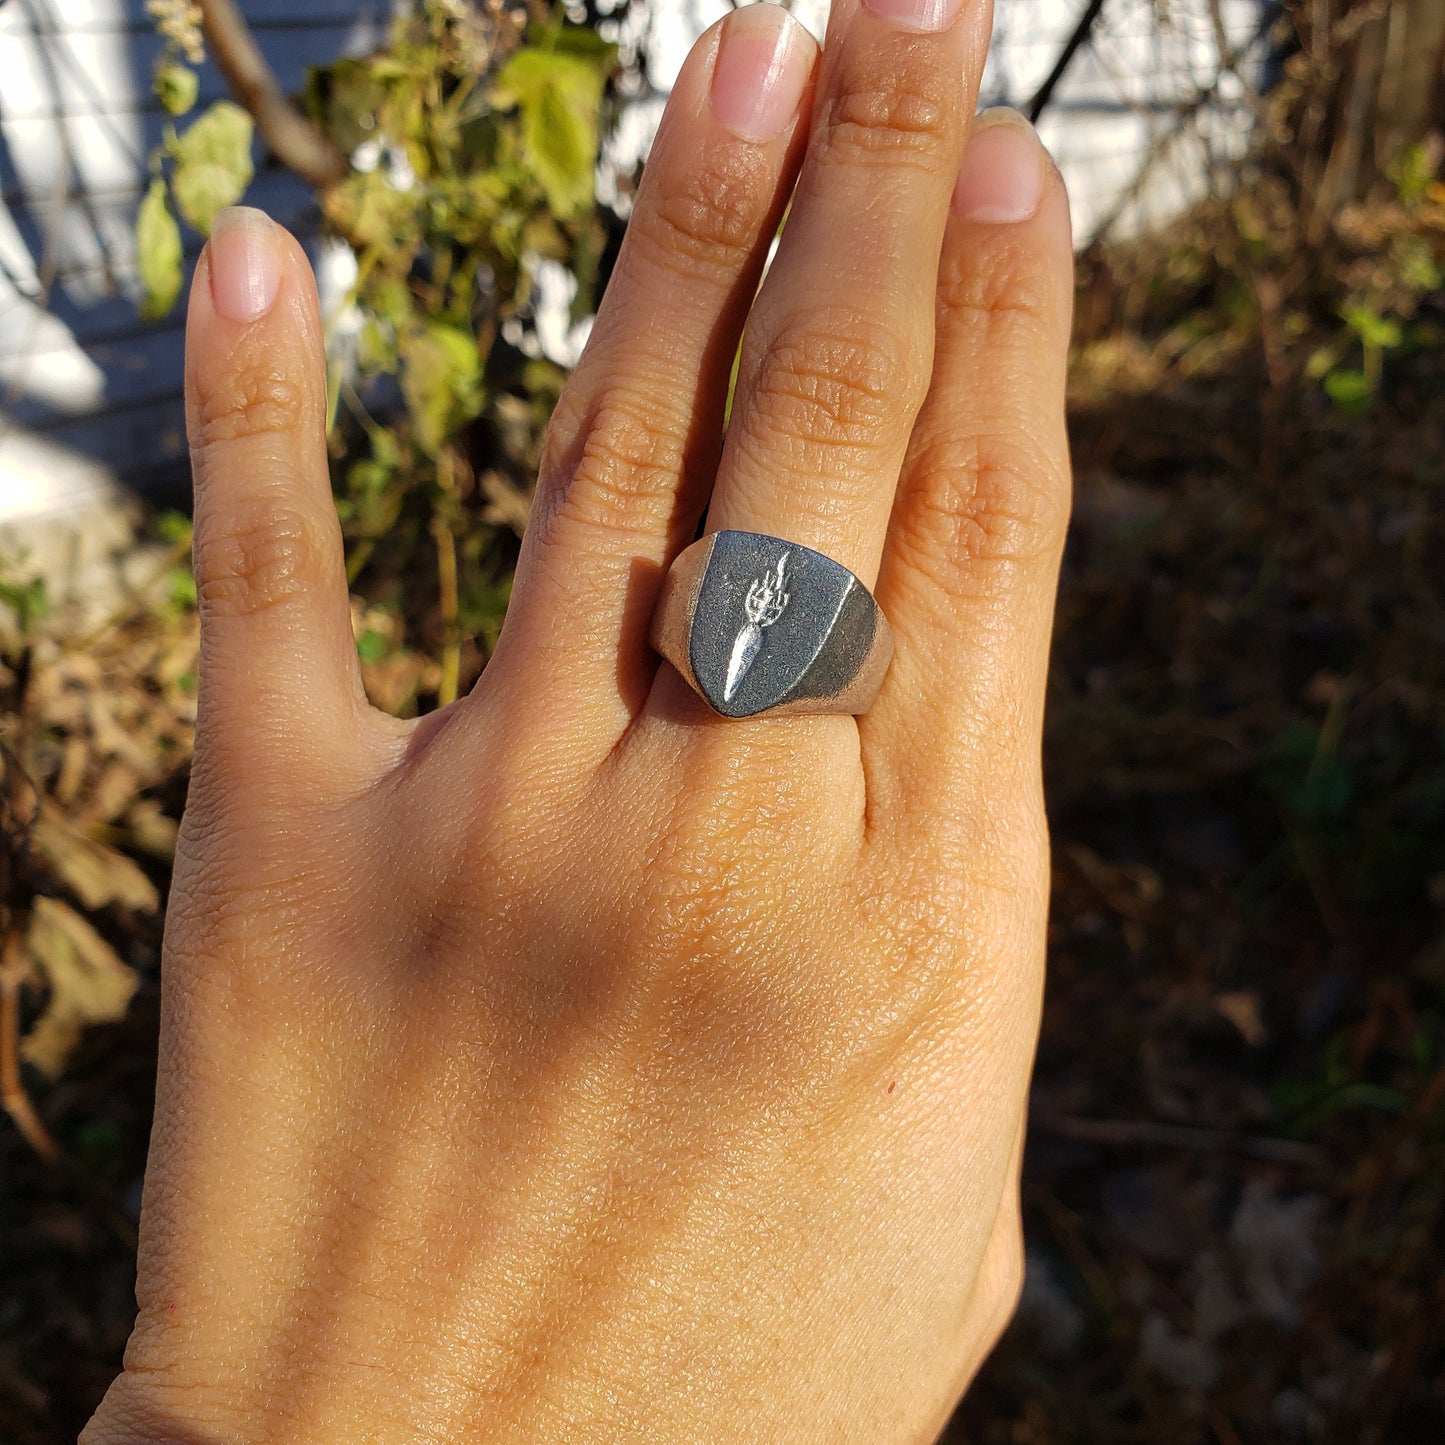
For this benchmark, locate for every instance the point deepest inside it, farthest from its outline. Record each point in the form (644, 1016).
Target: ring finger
(839, 349)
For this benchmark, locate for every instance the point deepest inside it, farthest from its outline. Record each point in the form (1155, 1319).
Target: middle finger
(839, 348)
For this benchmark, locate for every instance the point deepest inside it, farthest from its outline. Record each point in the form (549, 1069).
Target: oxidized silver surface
(757, 625)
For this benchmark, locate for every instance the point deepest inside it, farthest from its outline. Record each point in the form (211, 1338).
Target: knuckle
(985, 502)
(615, 468)
(253, 400)
(998, 492)
(996, 284)
(838, 379)
(891, 113)
(708, 216)
(260, 557)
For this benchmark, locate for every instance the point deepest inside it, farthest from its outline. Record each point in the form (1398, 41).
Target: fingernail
(1001, 179)
(245, 263)
(916, 14)
(760, 73)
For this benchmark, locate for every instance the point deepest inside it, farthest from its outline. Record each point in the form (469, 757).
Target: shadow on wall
(88, 391)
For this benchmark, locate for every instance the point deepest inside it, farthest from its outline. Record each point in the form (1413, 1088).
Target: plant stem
(451, 658)
(300, 146)
(361, 554)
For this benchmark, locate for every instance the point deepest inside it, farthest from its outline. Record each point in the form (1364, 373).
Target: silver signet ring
(760, 625)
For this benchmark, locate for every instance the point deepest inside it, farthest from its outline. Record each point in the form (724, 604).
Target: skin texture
(574, 1064)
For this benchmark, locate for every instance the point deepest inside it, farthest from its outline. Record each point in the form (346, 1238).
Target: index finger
(279, 680)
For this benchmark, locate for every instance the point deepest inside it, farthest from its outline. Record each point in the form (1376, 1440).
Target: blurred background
(1236, 1174)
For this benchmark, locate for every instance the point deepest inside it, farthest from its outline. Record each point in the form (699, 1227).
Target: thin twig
(451, 658)
(1184, 113)
(1132, 1132)
(1045, 93)
(12, 1088)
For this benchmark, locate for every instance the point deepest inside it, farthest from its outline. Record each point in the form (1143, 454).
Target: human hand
(574, 1063)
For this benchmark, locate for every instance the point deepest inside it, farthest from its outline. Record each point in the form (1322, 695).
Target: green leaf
(1324, 359)
(28, 600)
(88, 983)
(1420, 271)
(1352, 390)
(441, 382)
(579, 40)
(372, 645)
(181, 585)
(1412, 174)
(368, 209)
(1373, 329)
(482, 608)
(174, 527)
(558, 92)
(176, 87)
(158, 247)
(345, 98)
(213, 164)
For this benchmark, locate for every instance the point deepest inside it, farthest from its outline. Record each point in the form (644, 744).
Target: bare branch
(293, 140)
(1072, 46)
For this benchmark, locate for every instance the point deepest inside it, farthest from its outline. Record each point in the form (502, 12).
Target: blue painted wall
(135, 426)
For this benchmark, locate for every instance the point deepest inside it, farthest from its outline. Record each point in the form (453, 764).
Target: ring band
(759, 625)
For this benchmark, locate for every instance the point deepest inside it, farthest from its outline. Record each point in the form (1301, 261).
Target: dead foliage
(1235, 1190)
(1235, 1184)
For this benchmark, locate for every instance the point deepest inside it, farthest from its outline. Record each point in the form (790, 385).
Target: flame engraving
(766, 602)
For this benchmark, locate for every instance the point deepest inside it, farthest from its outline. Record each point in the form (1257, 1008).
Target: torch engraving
(766, 602)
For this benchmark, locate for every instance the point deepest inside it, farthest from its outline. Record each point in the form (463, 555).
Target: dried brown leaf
(1242, 1009)
(74, 762)
(108, 796)
(96, 874)
(507, 504)
(151, 830)
(88, 983)
(112, 737)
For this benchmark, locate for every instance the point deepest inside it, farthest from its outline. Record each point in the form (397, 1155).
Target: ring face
(759, 625)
